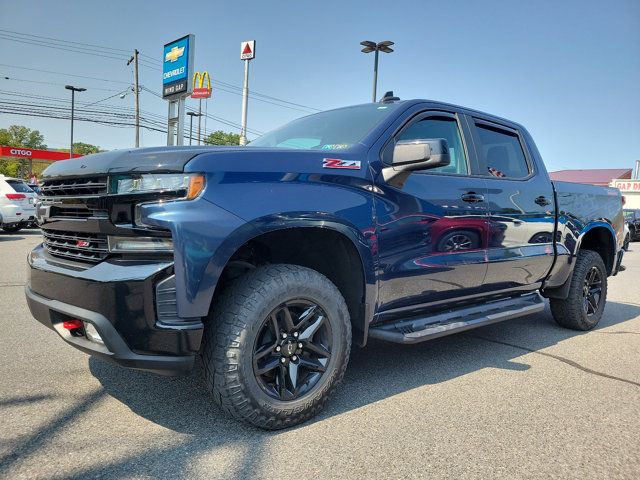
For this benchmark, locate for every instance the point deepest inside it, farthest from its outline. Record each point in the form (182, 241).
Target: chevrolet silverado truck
(401, 221)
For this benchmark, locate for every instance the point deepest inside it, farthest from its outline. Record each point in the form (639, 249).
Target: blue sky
(568, 70)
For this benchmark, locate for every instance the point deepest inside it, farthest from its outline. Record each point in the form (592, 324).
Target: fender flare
(284, 221)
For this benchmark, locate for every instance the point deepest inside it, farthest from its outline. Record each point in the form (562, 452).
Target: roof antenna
(389, 98)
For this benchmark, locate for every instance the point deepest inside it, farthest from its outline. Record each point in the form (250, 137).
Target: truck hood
(174, 159)
(155, 159)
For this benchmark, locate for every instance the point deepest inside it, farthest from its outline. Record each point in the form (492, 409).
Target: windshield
(19, 186)
(331, 130)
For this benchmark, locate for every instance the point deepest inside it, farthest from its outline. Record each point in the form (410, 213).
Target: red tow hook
(72, 324)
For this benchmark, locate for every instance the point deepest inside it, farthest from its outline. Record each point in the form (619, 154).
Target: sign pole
(245, 101)
(199, 118)
(247, 53)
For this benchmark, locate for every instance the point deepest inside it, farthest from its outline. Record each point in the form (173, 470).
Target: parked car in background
(632, 219)
(36, 188)
(17, 204)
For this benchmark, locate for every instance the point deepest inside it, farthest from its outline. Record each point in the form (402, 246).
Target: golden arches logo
(201, 76)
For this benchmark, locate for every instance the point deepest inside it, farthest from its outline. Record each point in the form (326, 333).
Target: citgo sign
(34, 154)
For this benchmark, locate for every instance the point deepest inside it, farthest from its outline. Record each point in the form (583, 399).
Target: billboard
(177, 67)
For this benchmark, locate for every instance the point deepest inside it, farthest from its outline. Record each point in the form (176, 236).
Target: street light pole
(191, 115)
(73, 91)
(376, 47)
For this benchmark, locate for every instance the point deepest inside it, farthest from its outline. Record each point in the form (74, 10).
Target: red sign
(626, 185)
(201, 93)
(34, 154)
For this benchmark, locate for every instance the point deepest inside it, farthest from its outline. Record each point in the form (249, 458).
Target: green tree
(20, 136)
(84, 148)
(222, 138)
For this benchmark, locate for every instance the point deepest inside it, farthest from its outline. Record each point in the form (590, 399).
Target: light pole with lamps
(73, 91)
(376, 47)
(192, 114)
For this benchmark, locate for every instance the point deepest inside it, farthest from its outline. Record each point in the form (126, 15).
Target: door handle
(542, 201)
(472, 197)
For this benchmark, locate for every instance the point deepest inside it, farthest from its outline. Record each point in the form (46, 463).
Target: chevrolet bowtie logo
(174, 54)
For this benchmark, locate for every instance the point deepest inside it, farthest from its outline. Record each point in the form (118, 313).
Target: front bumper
(118, 298)
(12, 214)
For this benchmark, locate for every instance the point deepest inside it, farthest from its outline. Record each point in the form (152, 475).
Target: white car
(17, 204)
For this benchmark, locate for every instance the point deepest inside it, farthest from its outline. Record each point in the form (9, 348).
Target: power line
(5, 77)
(113, 53)
(62, 41)
(64, 74)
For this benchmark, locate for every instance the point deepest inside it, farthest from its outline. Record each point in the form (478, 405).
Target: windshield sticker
(337, 163)
(335, 146)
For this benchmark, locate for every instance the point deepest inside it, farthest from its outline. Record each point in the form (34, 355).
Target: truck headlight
(140, 244)
(191, 184)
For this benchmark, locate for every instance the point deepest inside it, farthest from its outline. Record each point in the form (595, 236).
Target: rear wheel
(277, 345)
(584, 306)
(12, 228)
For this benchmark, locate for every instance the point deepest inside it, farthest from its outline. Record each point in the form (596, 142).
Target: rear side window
(440, 127)
(19, 186)
(501, 153)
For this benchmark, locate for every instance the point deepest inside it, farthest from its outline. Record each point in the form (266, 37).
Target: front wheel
(12, 228)
(583, 307)
(277, 345)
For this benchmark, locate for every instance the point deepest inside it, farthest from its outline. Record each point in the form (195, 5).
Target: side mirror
(412, 155)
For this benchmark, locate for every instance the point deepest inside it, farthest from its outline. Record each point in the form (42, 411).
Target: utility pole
(73, 98)
(136, 92)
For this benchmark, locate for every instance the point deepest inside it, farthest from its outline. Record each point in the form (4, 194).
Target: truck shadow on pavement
(377, 372)
(19, 235)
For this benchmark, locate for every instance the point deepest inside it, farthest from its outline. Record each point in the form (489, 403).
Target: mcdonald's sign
(199, 90)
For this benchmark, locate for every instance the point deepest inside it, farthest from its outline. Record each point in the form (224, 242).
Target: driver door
(433, 231)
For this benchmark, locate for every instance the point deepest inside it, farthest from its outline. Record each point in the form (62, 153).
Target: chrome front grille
(87, 247)
(74, 187)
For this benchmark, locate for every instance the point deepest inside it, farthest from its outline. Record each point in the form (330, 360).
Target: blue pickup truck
(401, 221)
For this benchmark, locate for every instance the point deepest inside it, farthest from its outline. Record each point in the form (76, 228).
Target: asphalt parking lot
(522, 399)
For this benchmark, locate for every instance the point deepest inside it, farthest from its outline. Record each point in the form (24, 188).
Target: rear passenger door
(521, 207)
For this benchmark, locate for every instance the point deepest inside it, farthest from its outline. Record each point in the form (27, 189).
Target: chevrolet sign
(177, 67)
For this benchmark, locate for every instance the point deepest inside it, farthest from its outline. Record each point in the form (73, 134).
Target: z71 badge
(337, 163)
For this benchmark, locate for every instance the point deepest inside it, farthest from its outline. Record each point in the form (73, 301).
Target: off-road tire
(570, 313)
(227, 355)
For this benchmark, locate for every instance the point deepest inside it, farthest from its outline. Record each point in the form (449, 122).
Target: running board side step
(415, 330)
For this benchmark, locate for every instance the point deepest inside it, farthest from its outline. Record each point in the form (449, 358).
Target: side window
(501, 153)
(440, 127)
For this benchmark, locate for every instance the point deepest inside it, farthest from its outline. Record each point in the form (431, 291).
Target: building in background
(627, 180)
(594, 176)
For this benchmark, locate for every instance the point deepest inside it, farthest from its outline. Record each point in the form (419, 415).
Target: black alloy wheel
(592, 291)
(276, 345)
(292, 349)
